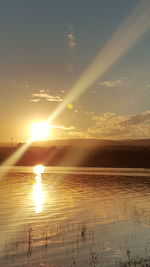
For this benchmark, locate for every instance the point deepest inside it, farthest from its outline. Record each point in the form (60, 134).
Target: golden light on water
(39, 130)
(38, 191)
(38, 196)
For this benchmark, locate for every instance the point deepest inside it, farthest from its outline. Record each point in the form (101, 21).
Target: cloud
(114, 126)
(35, 100)
(142, 118)
(78, 134)
(111, 125)
(36, 97)
(115, 83)
(62, 127)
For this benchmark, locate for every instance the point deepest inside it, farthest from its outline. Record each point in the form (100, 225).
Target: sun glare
(39, 131)
(38, 169)
(38, 192)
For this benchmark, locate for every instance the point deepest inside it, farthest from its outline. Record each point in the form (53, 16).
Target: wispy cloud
(78, 134)
(110, 125)
(35, 100)
(115, 83)
(36, 97)
(62, 127)
(137, 119)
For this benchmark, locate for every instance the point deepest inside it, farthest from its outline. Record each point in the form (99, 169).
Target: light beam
(11, 161)
(130, 32)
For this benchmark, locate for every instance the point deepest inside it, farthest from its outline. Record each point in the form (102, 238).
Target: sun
(39, 131)
(38, 169)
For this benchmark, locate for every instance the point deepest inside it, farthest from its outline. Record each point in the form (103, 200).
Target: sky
(47, 47)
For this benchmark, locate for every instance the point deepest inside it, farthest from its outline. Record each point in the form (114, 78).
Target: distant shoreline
(85, 155)
(85, 170)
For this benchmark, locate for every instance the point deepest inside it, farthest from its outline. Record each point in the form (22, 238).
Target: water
(75, 217)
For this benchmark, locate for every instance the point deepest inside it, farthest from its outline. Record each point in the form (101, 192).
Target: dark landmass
(94, 142)
(84, 153)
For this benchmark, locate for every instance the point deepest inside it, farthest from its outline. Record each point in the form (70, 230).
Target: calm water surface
(81, 217)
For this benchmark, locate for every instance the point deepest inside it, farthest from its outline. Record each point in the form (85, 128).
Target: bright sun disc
(39, 131)
(38, 169)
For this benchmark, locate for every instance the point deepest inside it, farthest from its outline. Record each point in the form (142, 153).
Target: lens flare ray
(130, 32)
(12, 160)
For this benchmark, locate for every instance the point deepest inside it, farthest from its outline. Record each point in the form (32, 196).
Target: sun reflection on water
(38, 192)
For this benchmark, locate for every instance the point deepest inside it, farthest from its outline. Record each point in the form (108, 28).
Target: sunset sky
(47, 45)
